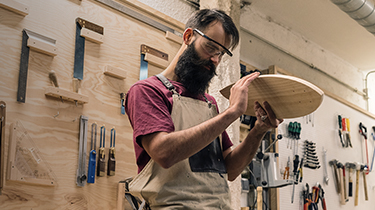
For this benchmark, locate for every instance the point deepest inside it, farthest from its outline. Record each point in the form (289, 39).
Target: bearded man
(183, 152)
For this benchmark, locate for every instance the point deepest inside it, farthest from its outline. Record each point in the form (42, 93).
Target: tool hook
(94, 127)
(113, 137)
(102, 136)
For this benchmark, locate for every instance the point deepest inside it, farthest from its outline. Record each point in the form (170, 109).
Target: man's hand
(266, 118)
(239, 94)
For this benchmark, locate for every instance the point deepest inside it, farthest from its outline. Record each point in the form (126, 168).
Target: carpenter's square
(81, 171)
(111, 154)
(101, 158)
(92, 158)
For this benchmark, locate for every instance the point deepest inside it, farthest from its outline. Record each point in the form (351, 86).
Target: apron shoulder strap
(165, 81)
(167, 84)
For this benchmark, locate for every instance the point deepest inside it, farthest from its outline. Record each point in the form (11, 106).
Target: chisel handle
(92, 167)
(101, 163)
(111, 162)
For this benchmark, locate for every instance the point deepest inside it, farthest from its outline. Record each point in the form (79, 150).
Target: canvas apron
(198, 182)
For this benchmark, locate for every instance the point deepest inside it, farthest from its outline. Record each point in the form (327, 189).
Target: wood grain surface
(289, 97)
(54, 124)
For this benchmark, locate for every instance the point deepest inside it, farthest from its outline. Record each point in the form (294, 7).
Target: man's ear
(188, 36)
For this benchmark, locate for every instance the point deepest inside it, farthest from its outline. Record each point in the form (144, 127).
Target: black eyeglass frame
(202, 34)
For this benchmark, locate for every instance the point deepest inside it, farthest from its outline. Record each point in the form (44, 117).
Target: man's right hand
(239, 94)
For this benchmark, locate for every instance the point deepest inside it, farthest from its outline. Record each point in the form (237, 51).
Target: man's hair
(201, 19)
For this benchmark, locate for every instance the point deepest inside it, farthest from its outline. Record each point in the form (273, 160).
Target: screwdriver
(295, 167)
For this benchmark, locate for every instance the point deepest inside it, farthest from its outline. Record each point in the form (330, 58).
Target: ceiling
(327, 25)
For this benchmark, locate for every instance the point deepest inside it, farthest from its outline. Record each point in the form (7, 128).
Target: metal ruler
(39, 43)
(25, 162)
(81, 171)
(79, 51)
(2, 143)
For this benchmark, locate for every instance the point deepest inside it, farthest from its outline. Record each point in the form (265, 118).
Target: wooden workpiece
(289, 97)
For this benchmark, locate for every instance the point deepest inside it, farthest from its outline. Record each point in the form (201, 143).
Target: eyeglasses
(211, 48)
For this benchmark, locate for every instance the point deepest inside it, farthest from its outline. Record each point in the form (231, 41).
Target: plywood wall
(52, 124)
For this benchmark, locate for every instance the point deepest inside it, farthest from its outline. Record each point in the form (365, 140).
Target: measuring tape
(92, 157)
(81, 171)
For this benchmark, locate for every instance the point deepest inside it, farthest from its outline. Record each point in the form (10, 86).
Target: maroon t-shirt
(149, 105)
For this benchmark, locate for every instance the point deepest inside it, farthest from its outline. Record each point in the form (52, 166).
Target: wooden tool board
(54, 124)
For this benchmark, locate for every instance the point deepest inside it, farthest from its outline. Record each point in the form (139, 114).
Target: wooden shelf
(115, 72)
(15, 7)
(66, 95)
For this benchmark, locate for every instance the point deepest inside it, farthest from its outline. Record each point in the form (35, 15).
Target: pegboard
(322, 127)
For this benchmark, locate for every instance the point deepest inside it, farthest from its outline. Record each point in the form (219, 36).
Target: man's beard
(192, 71)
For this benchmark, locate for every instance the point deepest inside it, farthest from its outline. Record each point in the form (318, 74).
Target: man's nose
(215, 59)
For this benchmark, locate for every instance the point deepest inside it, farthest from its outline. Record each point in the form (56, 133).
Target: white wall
(262, 55)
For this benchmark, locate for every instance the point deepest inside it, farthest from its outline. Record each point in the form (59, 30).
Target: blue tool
(92, 158)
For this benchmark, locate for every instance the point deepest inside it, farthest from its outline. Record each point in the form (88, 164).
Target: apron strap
(166, 83)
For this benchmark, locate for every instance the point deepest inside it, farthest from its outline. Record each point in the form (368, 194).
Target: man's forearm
(242, 155)
(170, 148)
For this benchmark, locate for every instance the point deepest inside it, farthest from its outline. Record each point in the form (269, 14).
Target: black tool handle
(111, 162)
(350, 189)
(101, 163)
